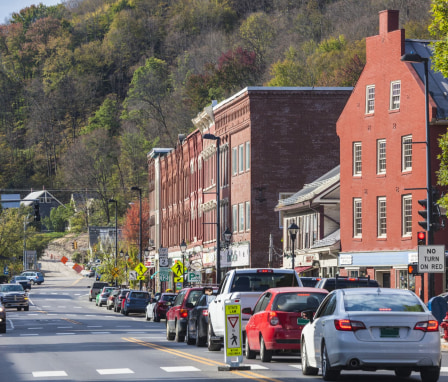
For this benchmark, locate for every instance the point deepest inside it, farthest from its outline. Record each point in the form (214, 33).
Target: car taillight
(273, 318)
(427, 326)
(348, 325)
(205, 312)
(183, 313)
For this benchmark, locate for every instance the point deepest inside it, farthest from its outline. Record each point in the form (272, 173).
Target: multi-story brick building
(383, 158)
(272, 142)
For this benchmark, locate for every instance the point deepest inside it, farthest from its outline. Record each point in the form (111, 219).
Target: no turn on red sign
(431, 259)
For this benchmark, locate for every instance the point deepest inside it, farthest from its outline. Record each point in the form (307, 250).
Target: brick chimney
(388, 21)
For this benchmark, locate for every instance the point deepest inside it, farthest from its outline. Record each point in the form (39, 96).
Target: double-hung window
(234, 161)
(241, 158)
(406, 153)
(357, 217)
(395, 92)
(357, 157)
(406, 213)
(370, 99)
(381, 216)
(381, 156)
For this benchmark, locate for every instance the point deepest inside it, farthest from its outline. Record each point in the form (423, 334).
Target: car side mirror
(247, 311)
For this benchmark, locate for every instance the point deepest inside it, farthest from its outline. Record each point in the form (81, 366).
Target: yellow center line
(72, 321)
(205, 361)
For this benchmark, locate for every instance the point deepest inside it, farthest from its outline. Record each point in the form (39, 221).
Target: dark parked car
(309, 281)
(96, 288)
(346, 282)
(158, 307)
(177, 315)
(22, 280)
(135, 302)
(2, 319)
(13, 296)
(119, 299)
(197, 326)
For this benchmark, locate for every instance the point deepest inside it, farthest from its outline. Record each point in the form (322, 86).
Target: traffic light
(36, 211)
(423, 213)
(413, 269)
(436, 222)
(421, 238)
(75, 245)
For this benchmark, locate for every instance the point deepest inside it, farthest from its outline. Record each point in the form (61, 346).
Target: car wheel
(19, 308)
(403, 372)
(26, 308)
(32, 282)
(3, 329)
(90, 299)
(100, 304)
(126, 312)
(115, 308)
(179, 337)
(430, 374)
(147, 317)
(156, 317)
(200, 341)
(190, 341)
(169, 335)
(250, 354)
(265, 354)
(327, 373)
(211, 345)
(306, 368)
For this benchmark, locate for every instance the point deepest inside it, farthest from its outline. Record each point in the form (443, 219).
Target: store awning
(302, 269)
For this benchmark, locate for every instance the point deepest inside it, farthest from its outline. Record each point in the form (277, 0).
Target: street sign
(163, 257)
(141, 269)
(178, 268)
(132, 275)
(431, 259)
(178, 279)
(194, 277)
(140, 277)
(114, 272)
(5, 270)
(233, 336)
(164, 276)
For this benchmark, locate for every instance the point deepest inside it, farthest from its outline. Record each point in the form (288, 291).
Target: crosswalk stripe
(174, 369)
(114, 371)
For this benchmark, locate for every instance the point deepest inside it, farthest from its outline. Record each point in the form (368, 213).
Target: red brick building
(383, 165)
(272, 142)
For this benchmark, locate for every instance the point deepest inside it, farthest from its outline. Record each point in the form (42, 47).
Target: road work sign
(431, 259)
(233, 350)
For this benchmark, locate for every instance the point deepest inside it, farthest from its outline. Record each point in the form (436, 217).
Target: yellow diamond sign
(178, 269)
(141, 269)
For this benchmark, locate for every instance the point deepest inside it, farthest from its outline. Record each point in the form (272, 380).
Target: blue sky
(7, 7)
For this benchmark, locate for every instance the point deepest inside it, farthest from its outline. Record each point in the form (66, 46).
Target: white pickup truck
(244, 286)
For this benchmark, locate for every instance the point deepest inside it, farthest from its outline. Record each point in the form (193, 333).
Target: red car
(277, 321)
(177, 315)
(157, 309)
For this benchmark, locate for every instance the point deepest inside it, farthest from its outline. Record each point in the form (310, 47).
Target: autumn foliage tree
(131, 226)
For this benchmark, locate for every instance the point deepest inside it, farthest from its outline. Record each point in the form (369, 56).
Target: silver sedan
(369, 329)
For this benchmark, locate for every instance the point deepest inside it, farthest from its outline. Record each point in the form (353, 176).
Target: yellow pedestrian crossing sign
(141, 269)
(178, 268)
(139, 277)
(178, 279)
(114, 272)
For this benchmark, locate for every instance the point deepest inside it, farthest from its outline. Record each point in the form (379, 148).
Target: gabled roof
(311, 190)
(37, 195)
(438, 84)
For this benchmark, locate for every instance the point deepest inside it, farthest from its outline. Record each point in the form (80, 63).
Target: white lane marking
(55, 373)
(77, 307)
(114, 371)
(94, 326)
(65, 327)
(65, 334)
(444, 369)
(296, 366)
(123, 326)
(174, 369)
(135, 332)
(33, 314)
(30, 334)
(257, 367)
(36, 328)
(100, 332)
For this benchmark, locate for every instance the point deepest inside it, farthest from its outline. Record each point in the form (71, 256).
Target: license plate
(302, 321)
(388, 332)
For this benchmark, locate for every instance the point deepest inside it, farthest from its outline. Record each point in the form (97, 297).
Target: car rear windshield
(194, 296)
(297, 302)
(330, 284)
(259, 282)
(140, 295)
(168, 297)
(382, 303)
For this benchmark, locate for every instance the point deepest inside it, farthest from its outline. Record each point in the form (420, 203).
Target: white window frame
(381, 156)
(406, 215)
(234, 161)
(370, 99)
(247, 156)
(406, 153)
(235, 218)
(382, 216)
(241, 158)
(357, 217)
(241, 214)
(357, 158)
(395, 95)
(247, 216)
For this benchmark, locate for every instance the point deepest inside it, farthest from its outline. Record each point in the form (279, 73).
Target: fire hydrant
(444, 325)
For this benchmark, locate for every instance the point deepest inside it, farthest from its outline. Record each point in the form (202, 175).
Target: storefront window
(402, 279)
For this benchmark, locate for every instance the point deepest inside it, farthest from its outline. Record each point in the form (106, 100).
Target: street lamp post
(293, 229)
(116, 235)
(227, 237)
(183, 249)
(416, 58)
(218, 208)
(135, 188)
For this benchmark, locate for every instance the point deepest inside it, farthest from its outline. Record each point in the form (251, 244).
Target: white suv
(34, 277)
